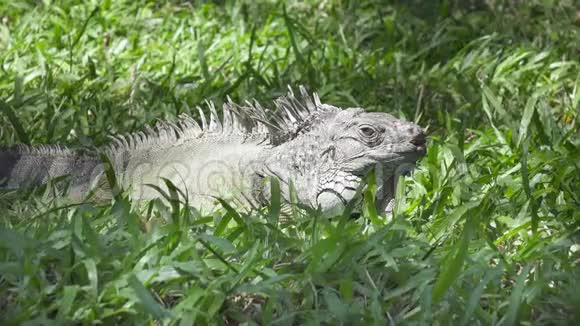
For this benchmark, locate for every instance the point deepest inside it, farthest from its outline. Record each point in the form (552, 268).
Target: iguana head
(334, 149)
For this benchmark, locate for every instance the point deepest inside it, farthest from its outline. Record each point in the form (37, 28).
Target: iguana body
(323, 150)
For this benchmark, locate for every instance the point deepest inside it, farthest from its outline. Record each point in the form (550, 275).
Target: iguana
(324, 151)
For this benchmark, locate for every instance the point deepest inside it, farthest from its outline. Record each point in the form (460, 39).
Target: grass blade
(516, 298)
(20, 132)
(145, 298)
(527, 118)
(275, 201)
(451, 267)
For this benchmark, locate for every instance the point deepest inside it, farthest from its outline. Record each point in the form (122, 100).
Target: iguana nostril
(419, 139)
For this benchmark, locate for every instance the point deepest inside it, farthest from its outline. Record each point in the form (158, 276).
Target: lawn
(485, 231)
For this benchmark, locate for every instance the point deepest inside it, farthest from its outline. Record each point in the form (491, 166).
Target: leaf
(275, 202)
(202, 60)
(496, 104)
(369, 207)
(146, 299)
(290, 26)
(251, 258)
(232, 212)
(68, 297)
(399, 194)
(224, 244)
(84, 27)
(503, 68)
(516, 298)
(325, 253)
(486, 109)
(15, 242)
(527, 189)
(173, 198)
(527, 118)
(222, 225)
(221, 243)
(346, 288)
(427, 305)
(453, 263)
(22, 136)
(576, 93)
(186, 309)
(93, 276)
(475, 297)
(14, 269)
(442, 226)
(111, 177)
(335, 305)
(216, 300)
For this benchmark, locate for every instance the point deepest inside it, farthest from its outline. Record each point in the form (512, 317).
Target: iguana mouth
(385, 194)
(384, 198)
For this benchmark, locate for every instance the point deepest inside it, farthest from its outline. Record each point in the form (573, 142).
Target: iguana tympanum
(324, 151)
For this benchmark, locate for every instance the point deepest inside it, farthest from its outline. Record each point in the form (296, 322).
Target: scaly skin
(323, 150)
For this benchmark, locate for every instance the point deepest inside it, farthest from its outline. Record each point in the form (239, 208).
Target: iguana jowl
(323, 150)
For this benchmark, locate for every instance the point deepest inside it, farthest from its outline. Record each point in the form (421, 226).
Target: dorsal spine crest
(290, 115)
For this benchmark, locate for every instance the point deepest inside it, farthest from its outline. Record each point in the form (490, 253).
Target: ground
(485, 231)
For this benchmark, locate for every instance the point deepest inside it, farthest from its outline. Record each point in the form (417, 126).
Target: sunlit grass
(487, 231)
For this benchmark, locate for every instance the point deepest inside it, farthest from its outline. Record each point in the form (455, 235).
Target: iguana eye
(370, 135)
(368, 131)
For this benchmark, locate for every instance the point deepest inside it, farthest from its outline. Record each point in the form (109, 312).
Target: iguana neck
(297, 164)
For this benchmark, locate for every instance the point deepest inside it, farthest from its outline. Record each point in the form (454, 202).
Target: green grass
(486, 230)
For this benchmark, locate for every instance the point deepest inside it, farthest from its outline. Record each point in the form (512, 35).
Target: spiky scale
(214, 121)
(190, 126)
(227, 126)
(202, 118)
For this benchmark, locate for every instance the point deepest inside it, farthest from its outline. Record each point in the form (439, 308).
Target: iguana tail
(25, 166)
